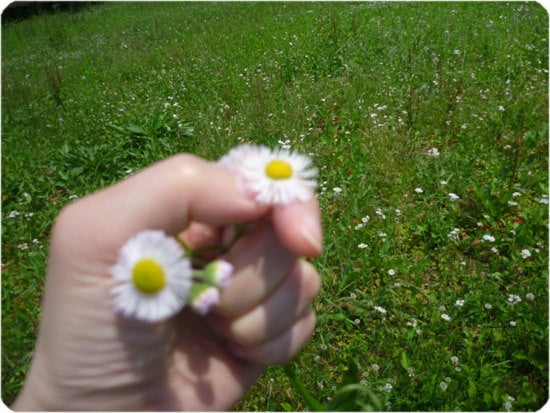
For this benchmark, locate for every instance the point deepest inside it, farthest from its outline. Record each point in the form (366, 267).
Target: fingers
(282, 348)
(279, 310)
(275, 329)
(261, 263)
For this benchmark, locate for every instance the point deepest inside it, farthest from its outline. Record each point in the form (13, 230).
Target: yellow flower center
(278, 169)
(148, 276)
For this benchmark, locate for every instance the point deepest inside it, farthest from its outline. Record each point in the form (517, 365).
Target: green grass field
(428, 123)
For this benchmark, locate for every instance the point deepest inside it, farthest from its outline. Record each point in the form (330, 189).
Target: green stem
(184, 244)
(313, 404)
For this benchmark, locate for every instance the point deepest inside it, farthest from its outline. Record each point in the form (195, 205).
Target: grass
(429, 302)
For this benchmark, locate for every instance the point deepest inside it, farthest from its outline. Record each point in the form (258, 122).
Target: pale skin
(88, 358)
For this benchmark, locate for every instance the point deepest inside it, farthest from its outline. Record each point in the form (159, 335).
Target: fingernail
(311, 231)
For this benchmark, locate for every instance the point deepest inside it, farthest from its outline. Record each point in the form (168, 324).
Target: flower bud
(204, 297)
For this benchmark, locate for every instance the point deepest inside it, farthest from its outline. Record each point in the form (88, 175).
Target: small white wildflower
(443, 386)
(433, 152)
(362, 246)
(446, 317)
(453, 197)
(454, 233)
(380, 213)
(459, 303)
(513, 323)
(454, 360)
(375, 367)
(380, 309)
(418, 190)
(337, 190)
(513, 299)
(525, 253)
(387, 388)
(530, 296)
(443, 183)
(13, 214)
(391, 272)
(501, 108)
(284, 144)
(488, 238)
(488, 306)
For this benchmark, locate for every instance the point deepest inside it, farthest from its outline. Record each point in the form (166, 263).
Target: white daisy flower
(152, 279)
(276, 177)
(241, 157)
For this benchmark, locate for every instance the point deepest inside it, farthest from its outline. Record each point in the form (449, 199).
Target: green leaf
(405, 362)
(472, 389)
(497, 394)
(345, 399)
(352, 374)
(299, 386)
(373, 398)
(116, 128)
(483, 195)
(286, 407)
(133, 128)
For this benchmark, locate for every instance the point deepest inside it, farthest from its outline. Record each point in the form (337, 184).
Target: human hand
(88, 358)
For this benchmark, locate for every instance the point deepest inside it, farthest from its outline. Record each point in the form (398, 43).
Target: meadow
(428, 123)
